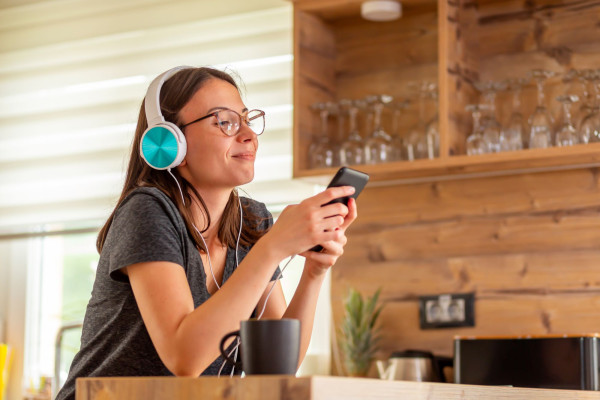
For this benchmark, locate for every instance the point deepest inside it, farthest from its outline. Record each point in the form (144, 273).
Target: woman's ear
(183, 162)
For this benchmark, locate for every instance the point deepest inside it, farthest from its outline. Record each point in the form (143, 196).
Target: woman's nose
(246, 134)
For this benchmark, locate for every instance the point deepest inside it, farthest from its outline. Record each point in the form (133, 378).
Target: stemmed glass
(416, 142)
(432, 133)
(541, 121)
(567, 135)
(378, 147)
(589, 129)
(475, 142)
(587, 99)
(397, 139)
(352, 149)
(515, 129)
(492, 130)
(321, 151)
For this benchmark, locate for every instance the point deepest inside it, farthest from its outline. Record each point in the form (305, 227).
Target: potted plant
(359, 337)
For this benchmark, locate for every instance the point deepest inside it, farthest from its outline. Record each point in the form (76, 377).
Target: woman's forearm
(196, 340)
(303, 307)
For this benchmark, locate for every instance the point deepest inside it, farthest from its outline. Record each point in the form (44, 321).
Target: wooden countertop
(303, 388)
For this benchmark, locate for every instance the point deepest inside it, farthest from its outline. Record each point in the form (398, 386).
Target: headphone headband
(152, 103)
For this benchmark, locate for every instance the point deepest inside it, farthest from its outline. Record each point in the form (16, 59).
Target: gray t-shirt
(147, 227)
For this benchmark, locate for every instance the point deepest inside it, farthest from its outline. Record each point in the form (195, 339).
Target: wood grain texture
(314, 59)
(526, 245)
(309, 388)
(339, 55)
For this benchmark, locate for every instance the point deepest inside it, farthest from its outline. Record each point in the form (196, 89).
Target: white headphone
(163, 145)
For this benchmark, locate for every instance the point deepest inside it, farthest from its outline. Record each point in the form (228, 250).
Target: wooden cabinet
(338, 55)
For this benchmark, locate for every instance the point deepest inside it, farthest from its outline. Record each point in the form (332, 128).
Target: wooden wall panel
(528, 246)
(314, 50)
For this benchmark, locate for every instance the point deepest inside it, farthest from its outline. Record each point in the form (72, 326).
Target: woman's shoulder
(148, 201)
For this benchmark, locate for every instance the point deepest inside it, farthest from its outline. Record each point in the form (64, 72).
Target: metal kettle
(414, 365)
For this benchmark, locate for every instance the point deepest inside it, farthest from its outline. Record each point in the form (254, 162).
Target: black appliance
(554, 362)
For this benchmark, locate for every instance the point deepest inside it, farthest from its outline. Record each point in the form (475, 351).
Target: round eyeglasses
(230, 121)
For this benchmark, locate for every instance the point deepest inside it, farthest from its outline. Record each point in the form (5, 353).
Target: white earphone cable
(273, 286)
(236, 347)
(200, 234)
(177, 182)
(238, 342)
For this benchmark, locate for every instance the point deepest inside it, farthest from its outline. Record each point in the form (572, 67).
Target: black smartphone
(346, 177)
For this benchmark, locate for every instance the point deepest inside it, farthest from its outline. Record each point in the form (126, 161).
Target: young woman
(183, 258)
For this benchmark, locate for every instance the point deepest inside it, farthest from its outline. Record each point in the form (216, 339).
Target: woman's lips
(245, 156)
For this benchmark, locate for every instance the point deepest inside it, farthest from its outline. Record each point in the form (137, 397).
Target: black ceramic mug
(269, 347)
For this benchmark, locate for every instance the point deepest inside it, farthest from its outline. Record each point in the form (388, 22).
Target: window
(59, 286)
(74, 76)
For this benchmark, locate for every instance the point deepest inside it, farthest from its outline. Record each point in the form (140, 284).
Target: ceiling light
(381, 10)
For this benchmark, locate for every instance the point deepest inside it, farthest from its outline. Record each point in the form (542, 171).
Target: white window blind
(72, 77)
(73, 74)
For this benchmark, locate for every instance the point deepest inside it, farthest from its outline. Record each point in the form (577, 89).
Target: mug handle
(224, 352)
(441, 363)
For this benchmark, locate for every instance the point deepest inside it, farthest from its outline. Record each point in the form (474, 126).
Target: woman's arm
(304, 302)
(187, 339)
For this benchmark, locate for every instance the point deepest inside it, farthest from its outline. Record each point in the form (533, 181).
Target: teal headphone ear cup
(163, 146)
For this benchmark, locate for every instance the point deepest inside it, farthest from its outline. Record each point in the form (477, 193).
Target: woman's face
(215, 160)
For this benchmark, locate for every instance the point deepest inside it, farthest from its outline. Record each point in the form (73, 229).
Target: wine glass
(475, 142)
(378, 146)
(352, 149)
(397, 139)
(416, 142)
(589, 129)
(587, 100)
(321, 152)
(491, 129)
(541, 121)
(515, 128)
(567, 135)
(432, 133)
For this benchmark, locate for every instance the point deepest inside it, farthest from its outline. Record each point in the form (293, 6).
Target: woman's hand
(317, 263)
(305, 225)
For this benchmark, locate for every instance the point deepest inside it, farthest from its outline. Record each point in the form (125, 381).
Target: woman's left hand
(318, 263)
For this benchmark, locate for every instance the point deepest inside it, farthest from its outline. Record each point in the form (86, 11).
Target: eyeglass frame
(243, 119)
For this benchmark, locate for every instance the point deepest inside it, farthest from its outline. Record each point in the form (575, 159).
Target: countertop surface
(302, 388)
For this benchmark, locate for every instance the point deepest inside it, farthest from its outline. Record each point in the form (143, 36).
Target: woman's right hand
(305, 225)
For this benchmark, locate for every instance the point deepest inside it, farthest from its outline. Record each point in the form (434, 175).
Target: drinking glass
(378, 146)
(515, 128)
(475, 142)
(416, 142)
(567, 135)
(587, 98)
(432, 133)
(397, 139)
(491, 129)
(321, 152)
(540, 122)
(589, 129)
(352, 149)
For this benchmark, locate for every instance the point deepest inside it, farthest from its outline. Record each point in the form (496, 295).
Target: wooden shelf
(534, 160)
(339, 55)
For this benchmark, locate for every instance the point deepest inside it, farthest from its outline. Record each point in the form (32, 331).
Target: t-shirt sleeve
(143, 230)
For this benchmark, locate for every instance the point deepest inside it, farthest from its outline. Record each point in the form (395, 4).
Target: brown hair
(174, 95)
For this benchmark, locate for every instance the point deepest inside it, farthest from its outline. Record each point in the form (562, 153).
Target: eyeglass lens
(230, 121)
